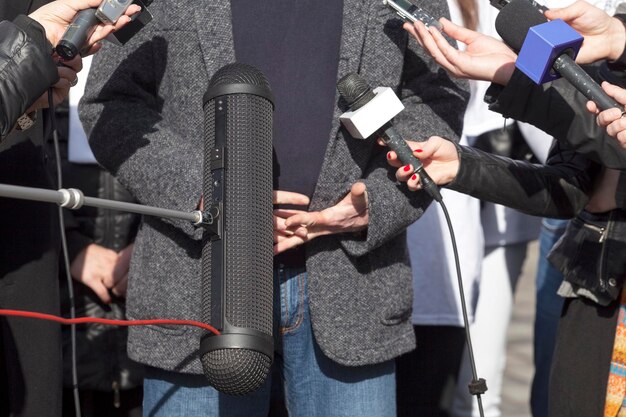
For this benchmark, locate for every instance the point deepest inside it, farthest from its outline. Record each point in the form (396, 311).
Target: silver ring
(74, 82)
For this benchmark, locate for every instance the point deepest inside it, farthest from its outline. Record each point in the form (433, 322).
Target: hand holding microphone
(59, 16)
(370, 113)
(612, 119)
(439, 157)
(605, 36)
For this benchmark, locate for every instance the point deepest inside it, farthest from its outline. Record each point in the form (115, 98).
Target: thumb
(358, 193)
(565, 13)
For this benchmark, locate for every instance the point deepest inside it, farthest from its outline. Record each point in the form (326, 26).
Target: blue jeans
(547, 313)
(313, 385)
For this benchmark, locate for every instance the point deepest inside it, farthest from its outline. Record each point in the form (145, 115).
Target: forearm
(558, 109)
(559, 191)
(27, 69)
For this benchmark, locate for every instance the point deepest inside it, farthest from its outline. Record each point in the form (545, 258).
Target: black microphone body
(237, 257)
(357, 94)
(77, 33)
(513, 23)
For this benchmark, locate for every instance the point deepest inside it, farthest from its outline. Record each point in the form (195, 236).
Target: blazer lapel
(215, 32)
(355, 16)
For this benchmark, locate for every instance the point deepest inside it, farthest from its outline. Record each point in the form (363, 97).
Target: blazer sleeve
(26, 68)
(434, 105)
(132, 137)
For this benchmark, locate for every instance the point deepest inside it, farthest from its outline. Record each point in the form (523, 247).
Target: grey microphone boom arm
(74, 199)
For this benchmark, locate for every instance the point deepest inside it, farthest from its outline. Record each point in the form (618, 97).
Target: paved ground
(519, 368)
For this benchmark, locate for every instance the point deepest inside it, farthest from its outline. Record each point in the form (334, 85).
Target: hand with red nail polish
(439, 157)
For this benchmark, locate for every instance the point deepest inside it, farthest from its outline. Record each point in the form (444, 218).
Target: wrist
(617, 38)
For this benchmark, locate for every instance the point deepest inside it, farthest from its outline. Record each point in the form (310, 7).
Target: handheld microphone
(237, 257)
(371, 112)
(74, 40)
(77, 33)
(527, 31)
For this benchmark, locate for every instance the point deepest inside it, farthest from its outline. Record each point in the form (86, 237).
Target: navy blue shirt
(295, 43)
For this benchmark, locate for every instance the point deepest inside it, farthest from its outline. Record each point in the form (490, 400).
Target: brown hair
(469, 12)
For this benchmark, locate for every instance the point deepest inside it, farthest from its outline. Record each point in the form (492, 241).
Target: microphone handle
(400, 147)
(583, 82)
(77, 33)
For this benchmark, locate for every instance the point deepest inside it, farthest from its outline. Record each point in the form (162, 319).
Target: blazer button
(612, 282)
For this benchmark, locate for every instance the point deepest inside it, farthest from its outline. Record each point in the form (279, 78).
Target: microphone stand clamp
(212, 221)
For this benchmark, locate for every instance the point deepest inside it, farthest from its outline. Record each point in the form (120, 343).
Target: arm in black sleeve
(559, 109)
(26, 68)
(559, 189)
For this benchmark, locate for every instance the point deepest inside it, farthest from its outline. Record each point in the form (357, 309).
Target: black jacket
(592, 253)
(26, 68)
(103, 364)
(559, 109)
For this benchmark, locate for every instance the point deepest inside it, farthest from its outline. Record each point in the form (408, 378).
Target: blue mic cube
(543, 44)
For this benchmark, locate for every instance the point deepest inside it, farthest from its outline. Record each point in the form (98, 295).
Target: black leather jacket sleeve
(559, 109)
(26, 68)
(559, 189)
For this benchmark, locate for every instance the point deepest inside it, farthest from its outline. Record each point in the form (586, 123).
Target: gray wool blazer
(143, 111)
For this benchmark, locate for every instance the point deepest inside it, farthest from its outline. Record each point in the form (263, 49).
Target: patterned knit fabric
(616, 389)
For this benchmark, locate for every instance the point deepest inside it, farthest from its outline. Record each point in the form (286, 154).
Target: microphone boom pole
(74, 199)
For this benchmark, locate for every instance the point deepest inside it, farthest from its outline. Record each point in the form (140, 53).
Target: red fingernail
(417, 150)
(414, 177)
(388, 155)
(407, 168)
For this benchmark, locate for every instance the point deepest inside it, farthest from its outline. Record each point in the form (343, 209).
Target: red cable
(79, 320)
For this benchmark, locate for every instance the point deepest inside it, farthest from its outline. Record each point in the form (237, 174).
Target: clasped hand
(103, 270)
(296, 227)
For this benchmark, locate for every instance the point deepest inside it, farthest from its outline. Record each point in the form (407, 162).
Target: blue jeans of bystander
(547, 313)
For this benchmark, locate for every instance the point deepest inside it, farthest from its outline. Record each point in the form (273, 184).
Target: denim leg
(548, 311)
(168, 394)
(315, 385)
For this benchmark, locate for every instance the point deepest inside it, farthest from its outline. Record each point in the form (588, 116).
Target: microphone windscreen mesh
(514, 21)
(246, 282)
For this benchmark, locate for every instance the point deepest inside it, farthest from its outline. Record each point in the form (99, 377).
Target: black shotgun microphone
(237, 258)
(514, 21)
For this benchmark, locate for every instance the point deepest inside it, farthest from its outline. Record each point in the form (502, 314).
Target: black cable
(66, 256)
(477, 386)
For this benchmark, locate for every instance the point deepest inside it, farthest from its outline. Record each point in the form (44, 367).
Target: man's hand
(604, 35)
(94, 266)
(56, 16)
(296, 227)
(485, 58)
(283, 236)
